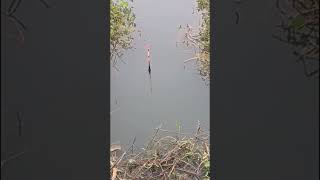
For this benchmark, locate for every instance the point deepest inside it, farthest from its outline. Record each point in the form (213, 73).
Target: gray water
(175, 91)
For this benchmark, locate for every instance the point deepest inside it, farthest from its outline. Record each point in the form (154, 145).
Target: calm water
(175, 91)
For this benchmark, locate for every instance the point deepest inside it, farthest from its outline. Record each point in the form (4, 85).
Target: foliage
(201, 40)
(204, 7)
(121, 27)
(204, 38)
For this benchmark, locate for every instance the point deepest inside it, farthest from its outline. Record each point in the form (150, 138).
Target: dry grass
(165, 157)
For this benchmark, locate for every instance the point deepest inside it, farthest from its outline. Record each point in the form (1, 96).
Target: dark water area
(174, 91)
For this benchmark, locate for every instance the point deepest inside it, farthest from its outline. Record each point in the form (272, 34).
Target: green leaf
(297, 22)
(207, 164)
(121, 24)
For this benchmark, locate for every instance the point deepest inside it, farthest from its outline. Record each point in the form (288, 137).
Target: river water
(175, 92)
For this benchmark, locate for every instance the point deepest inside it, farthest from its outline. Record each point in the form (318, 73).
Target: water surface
(175, 91)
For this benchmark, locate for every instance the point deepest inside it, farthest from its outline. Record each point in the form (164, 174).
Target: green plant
(204, 7)
(121, 27)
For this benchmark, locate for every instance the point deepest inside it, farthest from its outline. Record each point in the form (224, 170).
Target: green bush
(121, 27)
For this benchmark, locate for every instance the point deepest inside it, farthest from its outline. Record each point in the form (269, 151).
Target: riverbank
(177, 156)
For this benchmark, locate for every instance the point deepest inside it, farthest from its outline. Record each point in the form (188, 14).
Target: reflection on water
(299, 28)
(173, 90)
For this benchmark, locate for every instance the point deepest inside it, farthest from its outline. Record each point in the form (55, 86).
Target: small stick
(175, 162)
(14, 6)
(15, 19)
(134, 140)
(114, 110)
(46, 4)
(190, 59)
(118, 161)
(189, 172)
(153, 137)
(3, 162)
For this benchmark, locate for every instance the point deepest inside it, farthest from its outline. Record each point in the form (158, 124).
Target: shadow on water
(150, 80)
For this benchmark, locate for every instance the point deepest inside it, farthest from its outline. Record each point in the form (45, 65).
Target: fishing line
(151, 112)
(148, 46)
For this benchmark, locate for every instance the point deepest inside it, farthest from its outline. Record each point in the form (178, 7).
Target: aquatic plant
(164, 157)
(122, 25)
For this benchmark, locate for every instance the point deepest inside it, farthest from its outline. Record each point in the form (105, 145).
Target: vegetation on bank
(122, 25)
(201, 40)
(164, 157)
(204, 38)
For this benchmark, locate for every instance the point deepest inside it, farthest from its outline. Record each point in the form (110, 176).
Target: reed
(165, 157)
